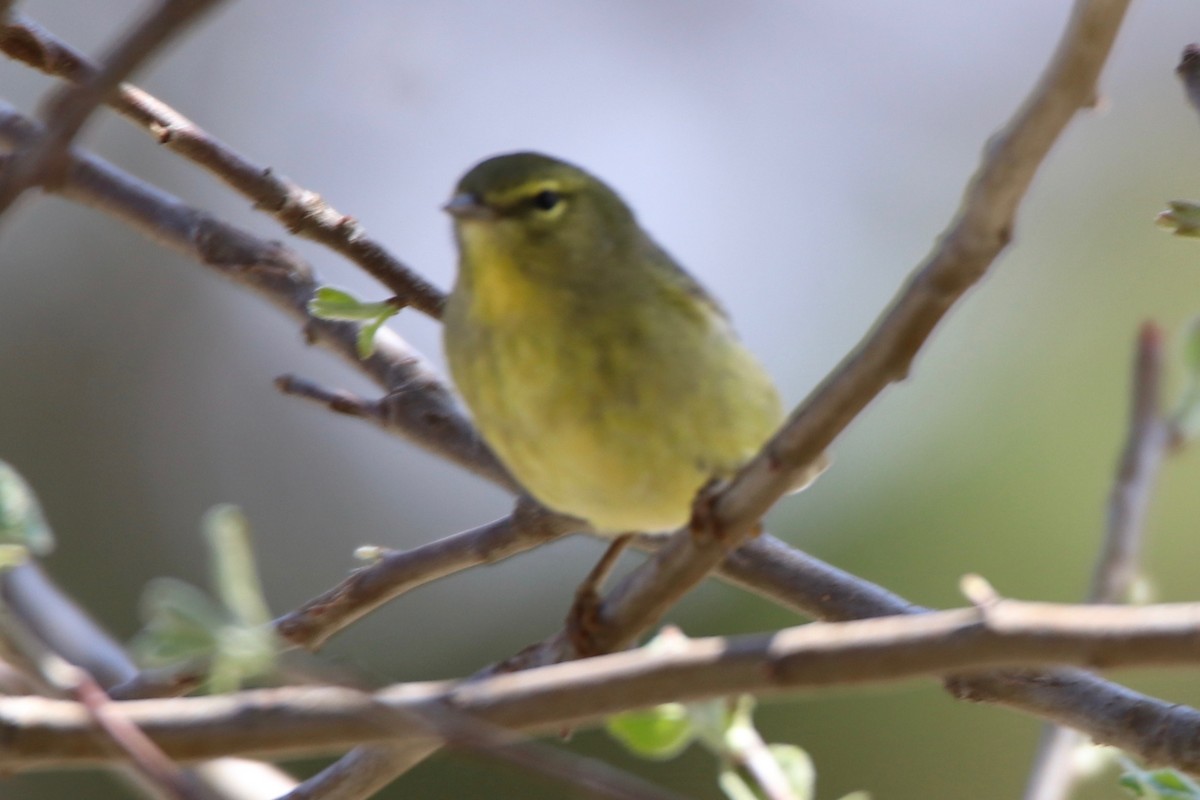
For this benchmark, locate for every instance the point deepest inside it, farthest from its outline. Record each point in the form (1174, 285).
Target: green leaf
(659, 733)
(235, 635)
(726, 727)
(797, 765)
(1181, 218)
(181, 623)
(235, 574)
(1160, 784)
(22, 522)
(242, 653)
(365, 342)
(734, 785)
(334, 304)
(715, 719)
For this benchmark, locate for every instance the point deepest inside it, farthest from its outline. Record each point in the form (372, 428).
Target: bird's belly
(605, 473)
(585, 437)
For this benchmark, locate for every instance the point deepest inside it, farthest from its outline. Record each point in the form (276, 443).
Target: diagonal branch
(418, 405)
(44, 160)
(302, 211)
(313, 623)
(982, 228)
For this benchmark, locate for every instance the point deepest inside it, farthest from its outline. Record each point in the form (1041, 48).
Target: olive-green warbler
(605, 378)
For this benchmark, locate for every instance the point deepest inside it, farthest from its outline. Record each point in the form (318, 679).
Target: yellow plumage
(603, 376)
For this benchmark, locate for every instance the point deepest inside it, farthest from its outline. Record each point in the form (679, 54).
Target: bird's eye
(546, 200)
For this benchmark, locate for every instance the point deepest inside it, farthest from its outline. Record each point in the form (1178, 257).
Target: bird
(604, 377)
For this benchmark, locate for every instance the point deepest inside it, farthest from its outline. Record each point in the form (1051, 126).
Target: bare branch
(1189, 72)
(368, 768)
(314, 622)
(40, 733)
(586, 776)
(982, 228)
(27, 592)
(1147, 444)
(302, 211)
(43, 162)
(336, 400)
(362, 772)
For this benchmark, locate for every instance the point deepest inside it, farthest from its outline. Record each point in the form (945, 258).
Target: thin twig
(1146, 447)
(369, 587)
(302, 211)
(365, 590)
(583, 775)
(368, 768)
(337, 400)
(43, 161)
(362, 772)
(1189, 72)
(1147, 444)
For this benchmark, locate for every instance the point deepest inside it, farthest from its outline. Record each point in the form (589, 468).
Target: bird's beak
(466, 205)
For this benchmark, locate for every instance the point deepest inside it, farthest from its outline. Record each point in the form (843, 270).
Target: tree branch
(38, 733)
(302, 211)
(1147, 444)
(313, 623)
(43, 161)
(965, 250)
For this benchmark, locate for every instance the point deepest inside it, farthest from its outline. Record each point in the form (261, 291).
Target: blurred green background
(799, 157)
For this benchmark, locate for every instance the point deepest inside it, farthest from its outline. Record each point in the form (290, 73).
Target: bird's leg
(583, 617)
(704, 524)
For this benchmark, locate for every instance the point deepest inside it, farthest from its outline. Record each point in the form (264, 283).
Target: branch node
(978, 591)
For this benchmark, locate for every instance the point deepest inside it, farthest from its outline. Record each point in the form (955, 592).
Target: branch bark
(302, 211)
(43, 161)
(39, 733)
(981, 229)
(1147, 444)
